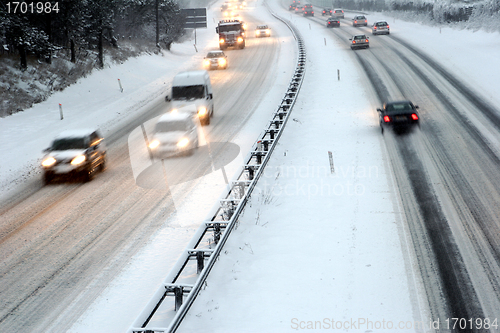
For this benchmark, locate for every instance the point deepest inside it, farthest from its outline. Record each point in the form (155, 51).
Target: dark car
(332, 22)
(308, 10)
(76, 153)
(359, 20)
(359, 42)
(292, 6)
(326, 11)
(401, 116)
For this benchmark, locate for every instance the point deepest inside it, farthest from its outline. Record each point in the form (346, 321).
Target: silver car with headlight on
(175, 133)
(215, 60)
(75, 153)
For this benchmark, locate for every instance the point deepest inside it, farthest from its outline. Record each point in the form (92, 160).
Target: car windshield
(188, 92)
(69, 143)
(214, 55)
(360, 37)
(170, 126)
(230, 27)
(381, 24)
(262, 27)
(398, 107)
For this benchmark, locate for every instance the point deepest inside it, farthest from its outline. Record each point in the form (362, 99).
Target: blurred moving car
(326, 11)
(359, 42)
(400, 115)
(292, 6)
(175, 133)
(308, 10)
(215, 60)
(359, 20)
(77, 153)
(338, 13)
(380, 27)
(262, 31)
(332, 22)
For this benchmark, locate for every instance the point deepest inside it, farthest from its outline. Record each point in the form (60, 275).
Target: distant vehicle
(380, 27)
(359, 20)
(298, 10)
(308, 10)
(215, 60)
(75, 154)
(262, 31)
(231, 33)
(292, 6)
(401, 116)
(225, 6)
(332, 22)
(359, 42)
(175, 133)
(193, 87)
(326, 11)
(338, 13)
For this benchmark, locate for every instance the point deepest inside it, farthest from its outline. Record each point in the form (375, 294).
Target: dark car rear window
(398, 107)
(381, 24)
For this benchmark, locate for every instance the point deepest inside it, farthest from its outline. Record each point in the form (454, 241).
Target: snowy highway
(406, 228)
(62, 244)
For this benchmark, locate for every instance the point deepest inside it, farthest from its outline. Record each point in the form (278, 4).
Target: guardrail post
(271, 134)
(200, 259)
(216, 233)
(266, 145)
(178, 292)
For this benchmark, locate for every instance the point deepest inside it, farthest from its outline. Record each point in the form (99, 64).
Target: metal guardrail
(208, 241)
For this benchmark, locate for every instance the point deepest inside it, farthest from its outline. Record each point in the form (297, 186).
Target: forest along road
(447, 173)
(63, 243)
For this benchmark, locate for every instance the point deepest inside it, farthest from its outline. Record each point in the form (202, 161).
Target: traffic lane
(63, 230)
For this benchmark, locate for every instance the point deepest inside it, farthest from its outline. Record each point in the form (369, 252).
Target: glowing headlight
(244, 26)
(153, 144)
(267, 31)
(240, 39)
(78, 160)
(202, 111)
(222, 61)
(257, 32)
(182, 143)
(221, 41)
(206, 63)
(49, 161)
(173, 111)
(226, 13)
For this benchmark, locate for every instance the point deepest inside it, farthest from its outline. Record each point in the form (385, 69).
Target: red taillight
(366, 40)
(387, 26)
(414, 116)
(366, 21)
(374, 28)
(354, 42)
(355, 21)
(387, 119)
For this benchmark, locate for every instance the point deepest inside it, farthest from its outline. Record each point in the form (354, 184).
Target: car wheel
(102, 167)
(47, 178)
(87, 176)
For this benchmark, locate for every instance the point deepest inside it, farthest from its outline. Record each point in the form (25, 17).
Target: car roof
(360, 36)
(76, 133)
(175, 116)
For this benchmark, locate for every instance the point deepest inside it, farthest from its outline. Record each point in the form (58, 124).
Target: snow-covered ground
(322, 229)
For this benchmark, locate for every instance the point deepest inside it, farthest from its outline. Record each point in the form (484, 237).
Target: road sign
(195, 17)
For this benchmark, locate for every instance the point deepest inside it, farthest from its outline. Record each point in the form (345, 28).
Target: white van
(193, 87)
(174, 133)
